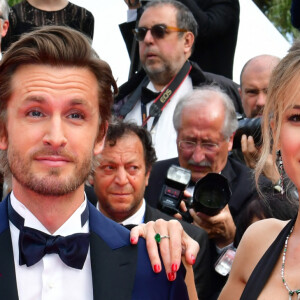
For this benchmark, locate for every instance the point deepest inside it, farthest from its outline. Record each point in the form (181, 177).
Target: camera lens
(211, 194)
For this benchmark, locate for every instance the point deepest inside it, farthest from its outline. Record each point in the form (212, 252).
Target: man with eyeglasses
(205, 122)
(4, 10)
(166, 32)
(218, 22)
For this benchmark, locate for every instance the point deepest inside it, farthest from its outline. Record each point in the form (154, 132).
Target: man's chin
(198, 175)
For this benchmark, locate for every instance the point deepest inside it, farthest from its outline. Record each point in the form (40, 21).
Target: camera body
(171, 194)
(211, 193)
(248, 126)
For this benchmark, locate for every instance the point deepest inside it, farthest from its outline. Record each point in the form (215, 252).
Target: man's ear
(147, 176)
(240, 92)
(3, 138)
(99, 144)
(189, 39)
(230, 143)
(4, 28)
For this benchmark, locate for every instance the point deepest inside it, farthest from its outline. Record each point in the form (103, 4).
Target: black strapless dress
(265, 266)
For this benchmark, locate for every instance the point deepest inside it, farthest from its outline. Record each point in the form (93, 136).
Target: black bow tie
(147, 95)
(129, 226)
(34, 244)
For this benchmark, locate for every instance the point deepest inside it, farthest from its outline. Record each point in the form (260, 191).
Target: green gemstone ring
(159, 237)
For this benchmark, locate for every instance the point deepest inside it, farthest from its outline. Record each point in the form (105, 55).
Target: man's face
(255, 82)
(203, 124)
(162, 58)
(121, 178)
(52, 126)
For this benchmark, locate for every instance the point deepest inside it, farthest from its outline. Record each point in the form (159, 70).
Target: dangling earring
(281, 171)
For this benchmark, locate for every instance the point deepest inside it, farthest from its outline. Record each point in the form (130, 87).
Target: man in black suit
(218, 23)
(55, 94)
(205, 122)
(120, 181)
(166, 32)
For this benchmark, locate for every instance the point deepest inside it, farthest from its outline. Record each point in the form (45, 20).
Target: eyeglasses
(190, 146)
(158, 31)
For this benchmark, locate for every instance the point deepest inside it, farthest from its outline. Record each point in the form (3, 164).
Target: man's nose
(261, 99)
(121, 177)
(55, 135)
(198, 154)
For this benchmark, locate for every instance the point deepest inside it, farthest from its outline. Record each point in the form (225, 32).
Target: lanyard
(165, 96)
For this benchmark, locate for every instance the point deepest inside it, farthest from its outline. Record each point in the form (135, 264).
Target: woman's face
(289, 141)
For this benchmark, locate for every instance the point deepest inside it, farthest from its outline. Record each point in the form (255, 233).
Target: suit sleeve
(214, 17)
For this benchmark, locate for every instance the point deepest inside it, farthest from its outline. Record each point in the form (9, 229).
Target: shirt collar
(71, 226)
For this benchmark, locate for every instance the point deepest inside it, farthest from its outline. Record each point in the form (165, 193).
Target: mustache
(50, 152)
(203, 163)
(256, 112)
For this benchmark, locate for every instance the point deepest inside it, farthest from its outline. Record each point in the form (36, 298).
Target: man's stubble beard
(52, 183)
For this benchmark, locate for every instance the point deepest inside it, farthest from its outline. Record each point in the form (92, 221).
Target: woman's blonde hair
(283, 91)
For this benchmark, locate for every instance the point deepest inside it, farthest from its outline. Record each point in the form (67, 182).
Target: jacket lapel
(113, 259)
(8, 284)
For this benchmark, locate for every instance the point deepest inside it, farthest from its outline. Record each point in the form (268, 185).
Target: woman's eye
(294, 118)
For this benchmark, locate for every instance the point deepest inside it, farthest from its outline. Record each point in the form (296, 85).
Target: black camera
(211, 193)
(248, 126)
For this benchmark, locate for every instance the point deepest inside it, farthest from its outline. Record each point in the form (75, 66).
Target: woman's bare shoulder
(255, 242)
(261, 234)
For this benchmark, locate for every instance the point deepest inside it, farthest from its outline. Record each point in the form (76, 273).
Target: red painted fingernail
(171, 276)
(174, 268)
(133, 240)
(156, 268)
(193, 259)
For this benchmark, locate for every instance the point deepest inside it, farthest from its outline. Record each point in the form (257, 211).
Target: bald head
(254, 81)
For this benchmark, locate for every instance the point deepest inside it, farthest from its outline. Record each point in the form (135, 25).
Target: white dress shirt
(163, 134)
(50, 278)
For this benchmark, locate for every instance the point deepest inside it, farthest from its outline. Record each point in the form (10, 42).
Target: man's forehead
(160, 14)
(128, 147)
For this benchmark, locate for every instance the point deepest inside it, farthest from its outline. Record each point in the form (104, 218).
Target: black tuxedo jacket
(214, 49)
(119, 270)
(198, 78)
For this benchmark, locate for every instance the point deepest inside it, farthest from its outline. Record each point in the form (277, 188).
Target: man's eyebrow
(37, 99)
(41, 99)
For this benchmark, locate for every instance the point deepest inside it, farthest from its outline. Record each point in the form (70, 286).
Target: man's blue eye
(76, 116)
(35, 113)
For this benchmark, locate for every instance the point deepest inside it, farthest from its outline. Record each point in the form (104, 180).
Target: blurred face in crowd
(254, 84)
(203, 124)
(121, 178)
(162, 58)
(51, 129)
(3, 27)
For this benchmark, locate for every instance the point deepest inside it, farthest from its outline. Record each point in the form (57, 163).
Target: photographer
(205, 122)
(254, 82)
